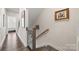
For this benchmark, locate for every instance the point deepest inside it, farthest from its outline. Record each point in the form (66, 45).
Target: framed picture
(62, 14)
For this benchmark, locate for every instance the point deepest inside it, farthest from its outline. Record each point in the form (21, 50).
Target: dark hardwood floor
(13, 43)
(46, 48)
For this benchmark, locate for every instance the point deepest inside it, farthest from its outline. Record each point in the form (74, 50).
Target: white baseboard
(1, 44)
(25, 45)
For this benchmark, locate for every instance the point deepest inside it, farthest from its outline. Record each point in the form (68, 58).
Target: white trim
(1, 44)
(22, 40)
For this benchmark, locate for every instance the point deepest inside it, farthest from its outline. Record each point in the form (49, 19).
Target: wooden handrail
(44, 32)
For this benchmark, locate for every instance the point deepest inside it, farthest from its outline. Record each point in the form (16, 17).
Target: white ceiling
(15, 10)
(33, 14)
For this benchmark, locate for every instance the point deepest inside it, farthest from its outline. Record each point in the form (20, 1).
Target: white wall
(33, 14)
(62, 34)
(23, 36)
(3, 29)
(21, 32)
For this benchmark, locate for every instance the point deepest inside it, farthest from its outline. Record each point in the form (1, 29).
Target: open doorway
(11, 24)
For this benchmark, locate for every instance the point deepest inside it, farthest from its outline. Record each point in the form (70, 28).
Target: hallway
(37, 30)
(13, 43)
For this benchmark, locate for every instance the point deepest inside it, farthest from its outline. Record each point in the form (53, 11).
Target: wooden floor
(13, 43)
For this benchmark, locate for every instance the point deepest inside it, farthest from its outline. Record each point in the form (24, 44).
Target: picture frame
(62, 14)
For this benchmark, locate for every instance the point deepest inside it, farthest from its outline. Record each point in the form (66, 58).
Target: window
(23, 19)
